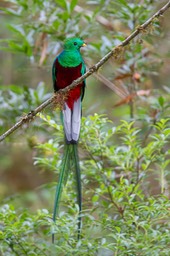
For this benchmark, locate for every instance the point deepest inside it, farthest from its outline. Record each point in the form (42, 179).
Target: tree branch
(114, 52)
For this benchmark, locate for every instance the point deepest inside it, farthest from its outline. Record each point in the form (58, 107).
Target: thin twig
(114, 52)
(27, 118)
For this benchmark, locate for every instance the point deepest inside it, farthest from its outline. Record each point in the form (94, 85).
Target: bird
(67, 67)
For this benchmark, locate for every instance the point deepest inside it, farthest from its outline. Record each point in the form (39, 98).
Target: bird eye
(75, 43)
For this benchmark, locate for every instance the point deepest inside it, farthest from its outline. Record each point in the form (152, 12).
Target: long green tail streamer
(62, 181)
(70, 155)
(78, 185)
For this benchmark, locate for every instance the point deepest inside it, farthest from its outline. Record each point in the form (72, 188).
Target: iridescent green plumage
(68, 66)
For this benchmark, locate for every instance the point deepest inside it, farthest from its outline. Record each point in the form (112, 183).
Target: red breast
(64, 77)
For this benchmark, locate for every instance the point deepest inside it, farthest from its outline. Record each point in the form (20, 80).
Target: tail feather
(71, 122)
(62, 181)
(67, 116)
(70, 154)
(78, 185)
(76, 120)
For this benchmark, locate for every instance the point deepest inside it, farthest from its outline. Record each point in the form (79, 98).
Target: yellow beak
(84, 45)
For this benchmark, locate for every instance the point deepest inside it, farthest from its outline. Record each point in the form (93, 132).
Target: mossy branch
(113, 53)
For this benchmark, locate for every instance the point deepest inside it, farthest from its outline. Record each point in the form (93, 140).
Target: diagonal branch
(114, 52)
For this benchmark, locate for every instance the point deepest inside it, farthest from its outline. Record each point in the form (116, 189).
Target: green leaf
(73, 4)
(161, 101)
(95, 198)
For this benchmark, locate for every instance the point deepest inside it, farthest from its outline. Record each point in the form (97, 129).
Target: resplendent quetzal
(68, 66)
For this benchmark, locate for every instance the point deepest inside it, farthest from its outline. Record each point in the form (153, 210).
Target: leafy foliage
(119, 216)
(15, 100)
(125, 166)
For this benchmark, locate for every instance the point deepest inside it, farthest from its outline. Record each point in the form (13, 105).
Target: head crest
(73, 43)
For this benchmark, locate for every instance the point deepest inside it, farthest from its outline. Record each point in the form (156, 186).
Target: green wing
(83, 71)
(54, 72)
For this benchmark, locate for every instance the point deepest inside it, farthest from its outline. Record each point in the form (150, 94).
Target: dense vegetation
(125, 134)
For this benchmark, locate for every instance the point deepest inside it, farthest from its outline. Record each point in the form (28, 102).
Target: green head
(74, 43)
